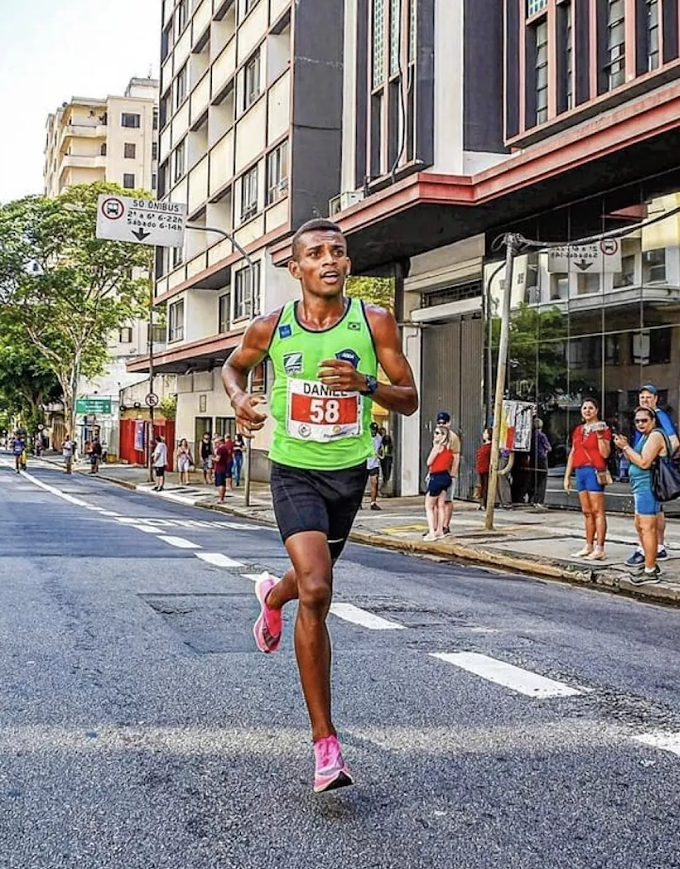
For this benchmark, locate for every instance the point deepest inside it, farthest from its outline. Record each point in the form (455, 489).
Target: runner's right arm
(251, 351)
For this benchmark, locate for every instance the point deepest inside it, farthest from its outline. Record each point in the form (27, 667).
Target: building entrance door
(453, 366)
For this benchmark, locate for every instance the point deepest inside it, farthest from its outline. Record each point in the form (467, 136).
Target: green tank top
(318, 428)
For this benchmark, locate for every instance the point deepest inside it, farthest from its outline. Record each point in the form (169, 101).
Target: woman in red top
(483, 465)
(590, 448)
(439, 464)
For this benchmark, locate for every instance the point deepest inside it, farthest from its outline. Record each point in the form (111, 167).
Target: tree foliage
(63, 289)
(376, 291)
(26, 382)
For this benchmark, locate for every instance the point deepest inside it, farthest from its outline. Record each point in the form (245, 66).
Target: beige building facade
(250, 110)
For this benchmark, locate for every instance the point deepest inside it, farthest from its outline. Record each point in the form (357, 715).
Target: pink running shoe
(330, 770)
(267, 629)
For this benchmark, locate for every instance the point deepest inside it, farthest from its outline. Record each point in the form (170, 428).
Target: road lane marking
(218, 559)
(109, 513)
(179, 542)
(507, 675)
(251, 576)
(664, 741)
(350, 613)
(150, 529)
(54, 491)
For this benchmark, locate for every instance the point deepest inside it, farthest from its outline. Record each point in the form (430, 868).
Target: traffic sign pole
(151, 371)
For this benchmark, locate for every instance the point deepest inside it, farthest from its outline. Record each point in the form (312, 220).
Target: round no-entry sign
(112, 208)
(609, 246)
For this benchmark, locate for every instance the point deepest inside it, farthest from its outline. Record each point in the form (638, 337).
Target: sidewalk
(525, 539)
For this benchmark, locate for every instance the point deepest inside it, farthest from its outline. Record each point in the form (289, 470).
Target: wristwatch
(371, 385)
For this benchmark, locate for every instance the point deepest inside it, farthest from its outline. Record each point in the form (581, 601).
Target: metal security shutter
(452, 365)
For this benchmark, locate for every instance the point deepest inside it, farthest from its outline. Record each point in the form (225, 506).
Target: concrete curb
(608, 579)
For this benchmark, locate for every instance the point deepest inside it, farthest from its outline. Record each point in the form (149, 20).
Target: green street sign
(93, 405)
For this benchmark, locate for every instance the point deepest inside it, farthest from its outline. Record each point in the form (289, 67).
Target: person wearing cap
(649, 397)
(373, 465)
(444, 418)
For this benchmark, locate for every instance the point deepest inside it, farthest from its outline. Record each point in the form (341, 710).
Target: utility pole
(510, 249)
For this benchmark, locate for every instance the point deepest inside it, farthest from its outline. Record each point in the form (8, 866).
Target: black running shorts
(325, 501)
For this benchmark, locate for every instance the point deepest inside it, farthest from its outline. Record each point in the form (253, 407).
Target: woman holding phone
(590, 448)
(439, 464)
(653, 444)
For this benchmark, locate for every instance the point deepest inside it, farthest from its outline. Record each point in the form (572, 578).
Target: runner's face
(648, 399)
(322, 264)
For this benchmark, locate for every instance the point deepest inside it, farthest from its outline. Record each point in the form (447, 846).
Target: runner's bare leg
(311, 580)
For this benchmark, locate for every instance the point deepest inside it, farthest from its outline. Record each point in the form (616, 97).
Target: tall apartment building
(553, 118)
(250, 139)
(111, 139)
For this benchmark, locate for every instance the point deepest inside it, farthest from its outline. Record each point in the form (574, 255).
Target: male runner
(325, 350)
(649, 397)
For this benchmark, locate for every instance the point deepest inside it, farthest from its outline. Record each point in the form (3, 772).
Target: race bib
(318, 413)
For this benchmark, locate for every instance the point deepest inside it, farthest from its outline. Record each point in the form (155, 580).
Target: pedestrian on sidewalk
(207, 458)
(540, 448)
(483, 465)
(68, 451)
(444, 419)
(159, 460)
(239, 449)
(325, 349)
(184, 462)
(95, 455)
(373, 465)
(652, 444)
(224, 460)
(439, 463)
(590, 448)
(649, 397)
(386, 457)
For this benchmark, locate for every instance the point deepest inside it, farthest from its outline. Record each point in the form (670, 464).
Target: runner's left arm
(400, 393)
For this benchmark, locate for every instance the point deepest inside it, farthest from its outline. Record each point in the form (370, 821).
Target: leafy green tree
(66, 290)
(26, 382)
(376, 291)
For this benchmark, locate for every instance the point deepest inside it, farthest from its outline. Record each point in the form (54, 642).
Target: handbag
(665, 477)
(604, 477)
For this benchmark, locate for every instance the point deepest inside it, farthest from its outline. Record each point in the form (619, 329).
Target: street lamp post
(251, 266)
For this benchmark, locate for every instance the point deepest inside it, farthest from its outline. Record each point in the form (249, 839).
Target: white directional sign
(596, 258)
(141, 221)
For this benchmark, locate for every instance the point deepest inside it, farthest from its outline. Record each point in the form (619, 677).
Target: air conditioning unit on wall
(343, 201)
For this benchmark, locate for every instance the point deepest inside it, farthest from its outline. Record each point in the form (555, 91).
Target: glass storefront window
(600, 331)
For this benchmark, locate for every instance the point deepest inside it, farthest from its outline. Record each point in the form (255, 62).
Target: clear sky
(51, 50)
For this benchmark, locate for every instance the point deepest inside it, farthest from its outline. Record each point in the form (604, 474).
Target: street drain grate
(208, 624)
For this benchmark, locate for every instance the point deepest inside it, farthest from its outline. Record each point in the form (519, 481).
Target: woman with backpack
(652, 446)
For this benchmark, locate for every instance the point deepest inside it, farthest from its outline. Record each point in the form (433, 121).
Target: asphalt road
(140, 727)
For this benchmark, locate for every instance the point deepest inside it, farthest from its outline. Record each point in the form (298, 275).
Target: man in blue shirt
(649, 397)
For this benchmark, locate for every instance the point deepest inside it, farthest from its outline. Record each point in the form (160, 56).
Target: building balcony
(82, 161)
(82, 131)
(203, 355)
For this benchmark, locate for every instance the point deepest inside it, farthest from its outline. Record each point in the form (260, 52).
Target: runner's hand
(248, 419)
(341, 375)
(567, 481)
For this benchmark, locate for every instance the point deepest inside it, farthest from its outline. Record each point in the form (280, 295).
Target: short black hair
(318, 224)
